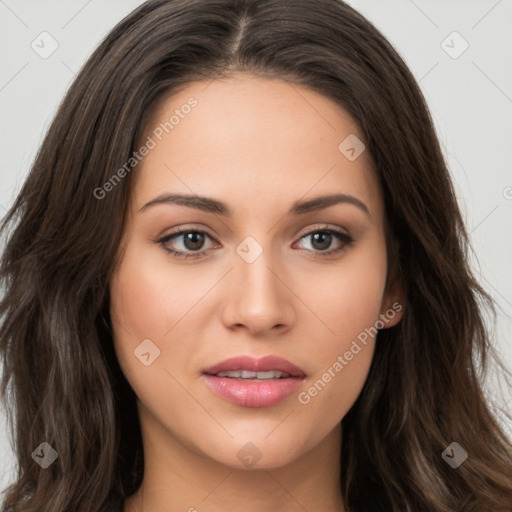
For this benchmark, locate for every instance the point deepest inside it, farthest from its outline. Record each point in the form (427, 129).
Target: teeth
(243, 374)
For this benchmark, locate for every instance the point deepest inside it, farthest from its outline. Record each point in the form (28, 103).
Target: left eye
(193, 241)
(321, 240)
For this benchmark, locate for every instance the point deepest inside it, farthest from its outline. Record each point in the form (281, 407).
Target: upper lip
(263, 364)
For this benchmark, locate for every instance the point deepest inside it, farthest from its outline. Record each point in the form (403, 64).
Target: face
(259, 275)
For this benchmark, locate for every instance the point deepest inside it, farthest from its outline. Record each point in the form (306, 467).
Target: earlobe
(393, 301)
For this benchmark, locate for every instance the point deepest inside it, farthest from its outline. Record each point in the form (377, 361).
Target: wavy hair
(62, 382)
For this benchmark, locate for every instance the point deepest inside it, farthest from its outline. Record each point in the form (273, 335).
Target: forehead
(253, 141)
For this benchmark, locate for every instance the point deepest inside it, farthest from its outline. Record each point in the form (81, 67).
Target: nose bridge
(253, 266)
(259, 299)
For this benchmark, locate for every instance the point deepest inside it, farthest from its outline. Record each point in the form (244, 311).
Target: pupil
(317, 237)
(195, 239)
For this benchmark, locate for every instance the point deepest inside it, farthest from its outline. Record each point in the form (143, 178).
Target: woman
(238, 279)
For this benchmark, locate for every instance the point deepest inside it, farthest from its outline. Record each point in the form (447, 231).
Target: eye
(321, 240)
(192, 240)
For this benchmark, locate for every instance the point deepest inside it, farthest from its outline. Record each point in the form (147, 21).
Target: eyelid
(308, 230)
(323, 227)
(186, 229)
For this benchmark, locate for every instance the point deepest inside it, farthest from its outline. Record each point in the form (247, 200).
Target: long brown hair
(61, 375)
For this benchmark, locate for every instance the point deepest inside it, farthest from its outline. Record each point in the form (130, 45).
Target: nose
(259, 299)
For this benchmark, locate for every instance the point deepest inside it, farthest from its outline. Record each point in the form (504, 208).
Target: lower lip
(253, 394)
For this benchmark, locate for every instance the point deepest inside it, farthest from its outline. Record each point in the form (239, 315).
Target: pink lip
(254, 394)
(263, 364)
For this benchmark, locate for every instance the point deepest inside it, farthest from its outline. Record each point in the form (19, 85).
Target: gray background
(470, 98)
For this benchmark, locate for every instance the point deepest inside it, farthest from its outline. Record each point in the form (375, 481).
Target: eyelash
(341, 236)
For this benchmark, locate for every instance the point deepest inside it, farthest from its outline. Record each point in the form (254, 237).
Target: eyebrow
(210, 205)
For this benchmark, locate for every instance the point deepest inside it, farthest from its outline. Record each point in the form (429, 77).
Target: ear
(393, 300)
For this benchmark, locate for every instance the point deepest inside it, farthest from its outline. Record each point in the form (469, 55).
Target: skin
(287, 302)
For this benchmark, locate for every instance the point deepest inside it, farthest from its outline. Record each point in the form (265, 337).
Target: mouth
(247, 367)
(249, 376)
(250, 382)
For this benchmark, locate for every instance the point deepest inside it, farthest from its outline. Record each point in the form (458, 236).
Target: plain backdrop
(460, 51)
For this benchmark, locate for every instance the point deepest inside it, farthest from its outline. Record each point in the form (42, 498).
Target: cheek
(145, 300)
(152, 300)
(139, 300)
(348, 297)
(347, 301)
